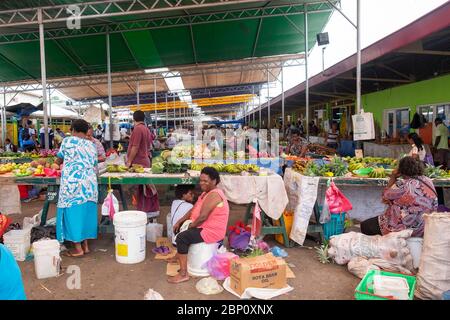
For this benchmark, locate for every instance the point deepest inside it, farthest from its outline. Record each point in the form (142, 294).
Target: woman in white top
(181, 206)
(418, 150)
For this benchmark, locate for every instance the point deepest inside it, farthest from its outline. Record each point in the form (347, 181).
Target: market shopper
(407, 199)
(76, 217)
(209, 218)
(332, 138)
(139, 152)
(297, 146)
(101, 154)
(10, 147)
(417, 147)
(441, 143)
(11, 285)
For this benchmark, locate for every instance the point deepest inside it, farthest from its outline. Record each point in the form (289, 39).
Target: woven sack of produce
(433, 277)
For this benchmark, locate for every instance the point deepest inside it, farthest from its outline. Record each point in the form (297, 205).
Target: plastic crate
(335, 226)
(364, 290)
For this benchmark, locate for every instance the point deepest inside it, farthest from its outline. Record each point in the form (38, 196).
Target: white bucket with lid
(388, 286)
(415, 247)
(198, 255)
(18, 241)
(130, 236)
(47, 260)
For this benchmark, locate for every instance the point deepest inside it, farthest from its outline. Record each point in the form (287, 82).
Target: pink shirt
(141, 138)
(215, 226)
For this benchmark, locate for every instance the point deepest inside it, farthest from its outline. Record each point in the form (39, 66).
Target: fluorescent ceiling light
(156, 70)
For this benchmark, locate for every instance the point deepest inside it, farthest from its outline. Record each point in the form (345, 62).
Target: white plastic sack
(111, 205)
(391, 248)
(153, 295)
(258, 293)
(10, 199)
(208, 286)
(169, 226)
(360, 265)
(30, 222)
(433, 277)
(154, 231)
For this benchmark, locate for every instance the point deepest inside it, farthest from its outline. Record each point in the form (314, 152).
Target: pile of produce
(370, 161)
(436, 172)
(120, 168)
(335, 168)
(45, 163)
(10, 155)
(8, 167)
(168, 164)
(378, 173)
(23, 170)
(226, 168)
(300, 165)
(321, 150)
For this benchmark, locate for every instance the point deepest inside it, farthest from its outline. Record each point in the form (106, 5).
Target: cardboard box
(264, 271)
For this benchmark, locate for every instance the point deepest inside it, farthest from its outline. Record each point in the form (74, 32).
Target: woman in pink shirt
(209, 221)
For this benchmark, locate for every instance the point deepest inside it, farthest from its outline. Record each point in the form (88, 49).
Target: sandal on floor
(74, 254)
(178, 279)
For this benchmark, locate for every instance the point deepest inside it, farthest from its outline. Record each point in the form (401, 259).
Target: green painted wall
(432, 91)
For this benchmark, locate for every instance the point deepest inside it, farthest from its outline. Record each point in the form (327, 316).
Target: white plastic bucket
(46, 258)
(154, 231)
(18, 241)
(130, 235)
(198, 255)
(415, 246)
(387, 286)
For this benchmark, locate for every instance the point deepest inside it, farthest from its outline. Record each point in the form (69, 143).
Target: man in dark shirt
(139, 153)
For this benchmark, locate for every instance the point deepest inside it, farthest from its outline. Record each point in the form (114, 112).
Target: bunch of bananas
(300, 166)
(226, 168)
(378, 173)
(116, 168)
(353, 166)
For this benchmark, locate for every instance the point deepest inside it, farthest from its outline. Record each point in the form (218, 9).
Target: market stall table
(363, 193)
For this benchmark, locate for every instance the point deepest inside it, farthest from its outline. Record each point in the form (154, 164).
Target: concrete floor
(103, 278)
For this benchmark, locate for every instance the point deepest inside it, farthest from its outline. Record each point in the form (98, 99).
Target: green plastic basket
(365, 292)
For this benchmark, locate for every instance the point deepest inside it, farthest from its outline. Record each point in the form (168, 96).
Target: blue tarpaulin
(219, 123)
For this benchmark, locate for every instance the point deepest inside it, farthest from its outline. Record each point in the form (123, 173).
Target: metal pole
(108, 57)
(268, 101)
(282, 102)
(306, 72)
(358, 63)
(156, 113)
(43, 76)
(3, 114)
(138, 102)
(167, 115)
(259, 106)
(174, 114)
(50, 107)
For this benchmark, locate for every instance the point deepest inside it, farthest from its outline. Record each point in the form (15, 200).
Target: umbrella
(24, 109)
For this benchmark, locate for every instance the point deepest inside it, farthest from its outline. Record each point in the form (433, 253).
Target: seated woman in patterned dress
(407, 199)
(76, 216)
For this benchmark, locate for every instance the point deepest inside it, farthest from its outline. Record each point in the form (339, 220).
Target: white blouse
(422, 153)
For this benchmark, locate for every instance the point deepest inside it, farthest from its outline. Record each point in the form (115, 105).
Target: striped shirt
(332, 137)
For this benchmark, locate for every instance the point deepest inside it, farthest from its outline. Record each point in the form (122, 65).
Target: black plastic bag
(40, 232)
(418, 121)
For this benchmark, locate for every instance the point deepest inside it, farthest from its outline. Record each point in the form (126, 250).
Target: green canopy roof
(163, 38)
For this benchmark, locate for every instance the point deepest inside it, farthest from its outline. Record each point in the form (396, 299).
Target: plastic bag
(5, 221)
(336, 200)
(278, 252)
(154, 231)
(110, 205)
(239, 236)
(208, 286)
(325, 214)
(219, 265)
(153, 295)
(34, 221)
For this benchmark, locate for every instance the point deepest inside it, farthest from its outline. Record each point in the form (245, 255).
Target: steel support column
(174, 114)
(259, 107)
(43, 77)
(156, 113)
(138, 101)
(268, 101)
(358, 62)
(282, 104)
(167, 115)
(306, 72)
(3, 114)
(108, 57)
